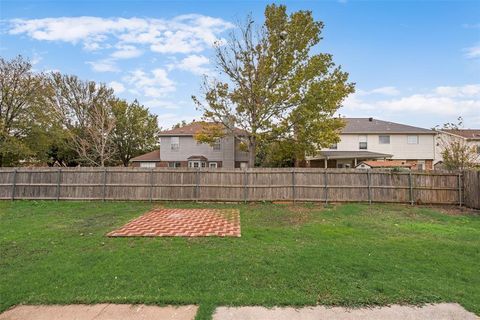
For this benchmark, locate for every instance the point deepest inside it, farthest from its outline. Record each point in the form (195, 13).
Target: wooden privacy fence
(472, 189)
(259, 184)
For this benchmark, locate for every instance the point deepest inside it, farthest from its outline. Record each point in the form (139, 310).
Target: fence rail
(259, 184)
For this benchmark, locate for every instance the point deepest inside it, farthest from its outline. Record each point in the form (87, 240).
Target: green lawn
(351, 255)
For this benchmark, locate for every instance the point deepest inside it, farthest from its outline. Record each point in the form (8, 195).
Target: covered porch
(343, 159)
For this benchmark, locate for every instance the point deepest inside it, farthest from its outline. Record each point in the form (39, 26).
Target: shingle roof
(191, 129)
(473, 134)
(387, 164)
(370, 125)
(151, 156)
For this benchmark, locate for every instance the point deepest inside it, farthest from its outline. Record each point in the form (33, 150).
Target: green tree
(273, 87)
(23, 120)
(136, 130)
(457, 154)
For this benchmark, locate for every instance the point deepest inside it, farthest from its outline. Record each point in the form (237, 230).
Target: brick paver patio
(183, 223)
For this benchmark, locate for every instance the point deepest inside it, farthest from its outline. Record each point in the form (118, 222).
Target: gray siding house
(178, 148)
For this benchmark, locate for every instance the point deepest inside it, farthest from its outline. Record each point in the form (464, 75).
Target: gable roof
(470, 134)
(370, 125)
(192, 129)
(148, 157)
(386, 164)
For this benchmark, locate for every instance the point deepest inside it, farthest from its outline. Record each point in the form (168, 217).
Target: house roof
(350, 155)
(386, 164)
(470, 134)
(147, 157)
(192, 129)
(370, 125)
(200, 158)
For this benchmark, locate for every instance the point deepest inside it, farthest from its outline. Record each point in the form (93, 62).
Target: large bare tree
(272, 86)
(85, 109)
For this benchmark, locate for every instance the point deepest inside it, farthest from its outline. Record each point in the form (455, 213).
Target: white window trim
(412, 135)
(217, 145)
(380, 140)
(174, 146)
(363, 139)
(212, 165)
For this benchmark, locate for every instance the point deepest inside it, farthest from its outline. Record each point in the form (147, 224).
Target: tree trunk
(252, 151)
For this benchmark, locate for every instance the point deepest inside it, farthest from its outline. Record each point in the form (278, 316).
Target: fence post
(151, 185)
(197, 182)
(369, 187)
(293, 185)
(245, 182)
(104, 192)
(59, 176)
(14, 184)
(326, 186)
(410, 185)
(460, 190)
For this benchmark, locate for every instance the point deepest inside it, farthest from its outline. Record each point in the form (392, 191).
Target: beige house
(178, 148)
(364, 139)
(470, 137)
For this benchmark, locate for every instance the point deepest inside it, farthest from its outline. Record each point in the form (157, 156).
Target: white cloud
(387, 91)
(472, 52)
(448, 101)
(126, 52)
(117, 87)
(182, 34)
(104, 65)
(193, 63)
(153, 84)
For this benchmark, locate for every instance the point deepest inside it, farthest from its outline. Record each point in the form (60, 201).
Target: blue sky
(413, 62)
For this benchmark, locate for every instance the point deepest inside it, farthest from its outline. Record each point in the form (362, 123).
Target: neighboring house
(178, 148)
(147, 160)
(385, 164)
(364, 139)
(445, 136)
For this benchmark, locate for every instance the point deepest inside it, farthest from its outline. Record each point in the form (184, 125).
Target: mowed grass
(350, 255)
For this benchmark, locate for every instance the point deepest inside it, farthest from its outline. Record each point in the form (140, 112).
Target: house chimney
(370, 119)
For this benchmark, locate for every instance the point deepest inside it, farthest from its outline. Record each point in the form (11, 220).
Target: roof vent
(370, 119)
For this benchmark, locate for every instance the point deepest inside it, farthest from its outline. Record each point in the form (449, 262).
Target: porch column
(355, 162)
(325, 163)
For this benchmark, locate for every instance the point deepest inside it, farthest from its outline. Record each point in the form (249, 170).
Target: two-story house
(470, 137)
(178, 148)
(364, 139)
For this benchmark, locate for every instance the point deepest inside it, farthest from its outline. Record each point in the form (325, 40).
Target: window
(197, 164)
(412, 139)
(217, 145)
(421, 165)
(384, 139)
(334, 146)
(212, 165)
(362, 142)
(147, 164)
(175, 143)
(174, 164)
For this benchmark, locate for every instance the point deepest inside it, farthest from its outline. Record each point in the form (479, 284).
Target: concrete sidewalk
(442, 311)
(100, 312)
